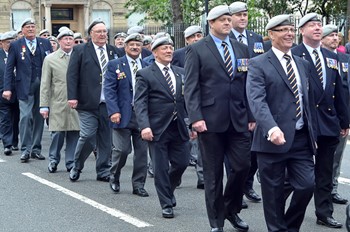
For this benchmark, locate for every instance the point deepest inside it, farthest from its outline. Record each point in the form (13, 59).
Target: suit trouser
(213, 148)
(298, 162)
(57, 141)
(94, 130)
(324, 176)
(122, 148)
(338, 157)
(9, 116)
(170, 148)
(31, 123)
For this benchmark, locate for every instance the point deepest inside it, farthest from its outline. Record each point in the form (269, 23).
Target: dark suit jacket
(3, 60)
(84, 76)
(272, 101)
(179, 57)
(210, 94)
(118, 90)
(19, 58)
(331, 108)
(155, 104)
(252, 38)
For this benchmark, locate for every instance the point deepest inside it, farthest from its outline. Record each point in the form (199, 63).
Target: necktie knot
(287, 57)
(240, 38)
(315, 52)
(166, 69)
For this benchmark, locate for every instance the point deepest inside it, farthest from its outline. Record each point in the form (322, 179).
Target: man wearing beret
(26, 56)
(9, 111)
(63, 120)
(78, 38)
(284, 137)
(85, 76)
(119, 39)
(255, 45)
(137, 29)
(330, 41)
(44, 33)
(332, 115)
(119, 92)
(215, 78)
(192, 34)
(160, 113)
(239, 30)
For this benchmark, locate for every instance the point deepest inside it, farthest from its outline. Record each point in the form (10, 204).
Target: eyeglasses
(285, 30)
(78, 41)
(101, 32)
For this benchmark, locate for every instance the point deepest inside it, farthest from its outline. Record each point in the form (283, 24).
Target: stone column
(47, 16)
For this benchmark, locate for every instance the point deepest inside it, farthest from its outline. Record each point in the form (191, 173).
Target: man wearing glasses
(284, 137)
(78, 38)
(85, 76)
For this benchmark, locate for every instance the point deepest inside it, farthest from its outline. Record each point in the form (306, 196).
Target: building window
(18, 16)
(61, 14)
(104, 15)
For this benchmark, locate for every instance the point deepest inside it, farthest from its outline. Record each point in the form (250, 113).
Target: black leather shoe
(252, 195)
(37, 156)
(74, 174)
(244, 205)
(192, 163)
(347, 221)
(15, 148)
(237, 222)
(337, 199)
(217, 230)
(52, 167)
(200, 186)
(168, 213)
(24, 157)
(329, 222)
(103, 179)
(141, 192)
(7, 151)
(115, 186)
(68, 169)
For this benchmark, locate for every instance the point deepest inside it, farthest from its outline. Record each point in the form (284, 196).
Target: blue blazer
(331, 104)
(3, 61)
(19, 58)
(252, 39)
(118, 90)
(179, 57)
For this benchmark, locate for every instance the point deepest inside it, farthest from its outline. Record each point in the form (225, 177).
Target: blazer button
(333, 96)
(131, 90)
(317, 106)
(333, 83)
(329, 109)
(101, 83)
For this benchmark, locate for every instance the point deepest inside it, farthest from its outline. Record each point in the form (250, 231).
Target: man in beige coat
(63, 120)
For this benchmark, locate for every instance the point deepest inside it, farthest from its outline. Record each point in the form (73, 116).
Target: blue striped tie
(228, 60)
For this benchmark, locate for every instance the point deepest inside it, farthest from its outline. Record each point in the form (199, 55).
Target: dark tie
(31, 47)
(228, 60)
(318, 66)
(168, 80)
(171, 87)
(293, 83)
(103, 60)
(240, 38)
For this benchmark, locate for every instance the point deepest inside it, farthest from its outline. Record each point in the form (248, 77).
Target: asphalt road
(34, 200)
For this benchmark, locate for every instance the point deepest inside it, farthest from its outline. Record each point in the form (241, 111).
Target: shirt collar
(161, 66)
(236, 33)
(280, 54)
(310, 49)
(98, 47)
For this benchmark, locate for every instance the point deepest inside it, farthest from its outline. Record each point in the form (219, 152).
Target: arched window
(20, 10)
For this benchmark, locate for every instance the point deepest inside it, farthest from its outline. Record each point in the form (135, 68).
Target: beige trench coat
(53, 93)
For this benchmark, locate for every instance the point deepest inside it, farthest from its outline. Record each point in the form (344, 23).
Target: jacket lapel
(159, 75)
(179, 82)
(91, 50)
(126, 69)
(277, 64)
(214, 50)
(301, 70)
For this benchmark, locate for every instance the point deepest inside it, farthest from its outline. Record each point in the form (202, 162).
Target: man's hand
(251, 126)
(277, 137)
(73, 103)
(7, 95)
(115, 118)
(193, 135)
(44, 113)
(344, 132)
(147, 134)
(199, 126)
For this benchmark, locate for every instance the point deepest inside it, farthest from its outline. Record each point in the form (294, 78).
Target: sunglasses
(78, 41)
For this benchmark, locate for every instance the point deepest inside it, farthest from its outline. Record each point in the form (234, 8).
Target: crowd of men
(228, 99)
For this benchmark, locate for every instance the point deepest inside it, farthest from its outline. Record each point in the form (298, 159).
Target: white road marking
(114, 212)
(343, 180)
(2, 161)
